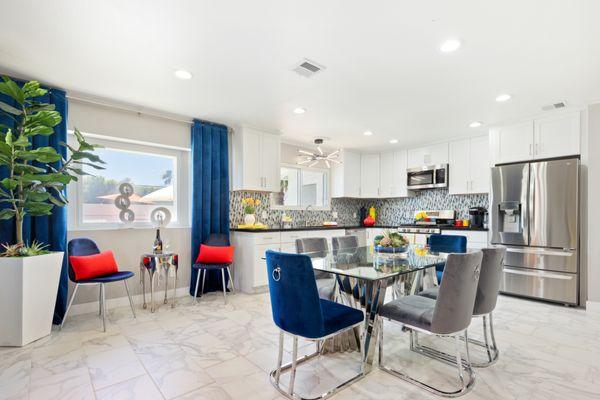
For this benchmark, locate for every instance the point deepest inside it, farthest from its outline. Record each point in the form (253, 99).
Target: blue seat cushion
(338, 316)
(439, 276)
(117, 276)
(210, 267)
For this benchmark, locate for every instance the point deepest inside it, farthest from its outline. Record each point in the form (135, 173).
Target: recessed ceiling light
(368, 133)
(475, 124)
(503, 97)
(394, 141)
(450, 45)
(299, 110)
(183, 74)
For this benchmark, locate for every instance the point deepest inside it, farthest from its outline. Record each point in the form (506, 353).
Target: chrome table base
(160, 262)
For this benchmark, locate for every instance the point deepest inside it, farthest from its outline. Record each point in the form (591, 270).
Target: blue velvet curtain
(52, 229)
(210, 192)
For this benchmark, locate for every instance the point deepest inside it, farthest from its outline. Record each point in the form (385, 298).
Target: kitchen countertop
(322, 228)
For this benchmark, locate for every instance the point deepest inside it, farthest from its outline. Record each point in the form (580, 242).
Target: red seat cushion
(92, 266)
(215, 254)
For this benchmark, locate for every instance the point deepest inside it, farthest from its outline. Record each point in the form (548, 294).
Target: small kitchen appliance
(477, 216)
(427, 177)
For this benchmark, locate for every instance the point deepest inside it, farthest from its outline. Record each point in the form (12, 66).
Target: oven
(428, 177)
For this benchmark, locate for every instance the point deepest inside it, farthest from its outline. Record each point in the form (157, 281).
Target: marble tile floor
(212, 351)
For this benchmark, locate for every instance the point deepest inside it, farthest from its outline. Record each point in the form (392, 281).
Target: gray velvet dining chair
(318, 247)
(449, 315)
(346, 246)
(485, 303)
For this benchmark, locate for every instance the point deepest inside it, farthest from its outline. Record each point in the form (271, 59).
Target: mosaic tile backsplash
(389, 211)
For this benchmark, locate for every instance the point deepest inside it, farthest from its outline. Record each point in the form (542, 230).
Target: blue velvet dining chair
(87, 247)
(299, 312)
(446, 244)
(214, 239)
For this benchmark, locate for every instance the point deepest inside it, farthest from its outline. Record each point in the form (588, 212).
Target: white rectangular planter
(28, 288)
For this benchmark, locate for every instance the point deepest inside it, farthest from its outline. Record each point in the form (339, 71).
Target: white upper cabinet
(469, 166)
(557, 136)
(345, 177)
(553, 136)
(255, 161)
(369, 175)
(399, 188)
(428, 155)
(387, 172)
(513, 142)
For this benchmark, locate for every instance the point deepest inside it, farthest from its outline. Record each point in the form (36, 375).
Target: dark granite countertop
(322, 228)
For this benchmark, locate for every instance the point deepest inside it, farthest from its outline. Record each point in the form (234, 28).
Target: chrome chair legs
(289, 393)
(463, 365)
(101, 302)
(203, 273)
(491, 350)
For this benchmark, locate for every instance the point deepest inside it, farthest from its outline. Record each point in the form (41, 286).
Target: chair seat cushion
(93, 265)
(326, 288)
(210, 266)
(431, 293)
(416, 311)
(338, 316)
(117, 276)
(440, 275)
(215, 254)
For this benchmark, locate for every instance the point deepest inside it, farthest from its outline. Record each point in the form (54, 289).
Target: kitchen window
(301, 187)
(158, 177)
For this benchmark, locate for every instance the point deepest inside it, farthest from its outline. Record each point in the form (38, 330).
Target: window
(302, 187)
(153, 172)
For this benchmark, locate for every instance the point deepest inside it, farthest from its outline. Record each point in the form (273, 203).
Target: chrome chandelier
(314, 158)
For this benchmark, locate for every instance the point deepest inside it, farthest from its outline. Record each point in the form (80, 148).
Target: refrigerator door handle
(542, 252)
(539, 274)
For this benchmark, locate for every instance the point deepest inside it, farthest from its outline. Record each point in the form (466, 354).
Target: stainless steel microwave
(428, 177)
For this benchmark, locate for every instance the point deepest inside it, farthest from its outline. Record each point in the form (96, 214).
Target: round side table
(153, 263)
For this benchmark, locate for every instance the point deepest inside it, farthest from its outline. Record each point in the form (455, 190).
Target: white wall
(129, 244)
(593, 200)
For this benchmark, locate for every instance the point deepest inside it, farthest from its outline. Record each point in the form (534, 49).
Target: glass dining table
(366, 274)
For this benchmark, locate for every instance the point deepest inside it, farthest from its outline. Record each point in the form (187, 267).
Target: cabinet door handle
(531, 149)
(537, 149)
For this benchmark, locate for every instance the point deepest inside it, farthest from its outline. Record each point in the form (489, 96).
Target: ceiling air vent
(308, 68)
(554, 106)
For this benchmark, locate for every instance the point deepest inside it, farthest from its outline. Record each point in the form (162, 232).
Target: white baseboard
(593, 306)
(86, 308)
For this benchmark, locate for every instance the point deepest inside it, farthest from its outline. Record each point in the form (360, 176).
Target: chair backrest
(217, 239)
(294, 296)
(489, 280)
(80, 247)
(344, 242)
(311, 245)
(456, 297)
(447, 243)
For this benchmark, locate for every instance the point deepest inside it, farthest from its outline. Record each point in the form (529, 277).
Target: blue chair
(299, 312)
(214, 239)
(446, 244)
(86, 247)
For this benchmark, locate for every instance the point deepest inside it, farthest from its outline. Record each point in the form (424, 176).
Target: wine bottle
(158, 244)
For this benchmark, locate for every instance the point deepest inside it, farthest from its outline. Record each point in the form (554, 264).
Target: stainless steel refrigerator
(535, 214)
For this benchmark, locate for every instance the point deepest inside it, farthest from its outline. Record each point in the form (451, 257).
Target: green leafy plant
(37, 178)
(19, 250)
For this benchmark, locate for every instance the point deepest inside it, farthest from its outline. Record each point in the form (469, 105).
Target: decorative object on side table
(160, 217)
(35, 183)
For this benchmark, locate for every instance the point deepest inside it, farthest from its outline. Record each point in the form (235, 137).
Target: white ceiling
(384, 71)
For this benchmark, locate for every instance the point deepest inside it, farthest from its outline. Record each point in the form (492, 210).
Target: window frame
(326, 190)
(181, 187)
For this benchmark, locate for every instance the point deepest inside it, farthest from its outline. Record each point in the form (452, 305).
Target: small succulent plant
(390, 239)
(20, 250)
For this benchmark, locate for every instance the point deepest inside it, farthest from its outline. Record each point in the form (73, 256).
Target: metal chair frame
(467, 383)
(493, 353)
(202, 271)
(101, 302)
(275, 374)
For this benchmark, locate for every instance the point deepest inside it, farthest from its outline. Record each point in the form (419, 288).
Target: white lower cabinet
(250, 268)
(475, 239)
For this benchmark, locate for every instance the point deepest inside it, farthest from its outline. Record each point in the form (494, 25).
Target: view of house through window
(302, 187)
(152, 176)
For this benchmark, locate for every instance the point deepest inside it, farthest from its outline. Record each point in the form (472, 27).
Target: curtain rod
(129, 109)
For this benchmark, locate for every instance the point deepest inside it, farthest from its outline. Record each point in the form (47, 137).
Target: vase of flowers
(250, 205)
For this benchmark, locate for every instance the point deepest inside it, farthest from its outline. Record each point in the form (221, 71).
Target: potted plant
(34, 183)
(250, 205)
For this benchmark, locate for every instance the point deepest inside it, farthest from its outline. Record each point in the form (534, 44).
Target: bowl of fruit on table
(391, 242)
